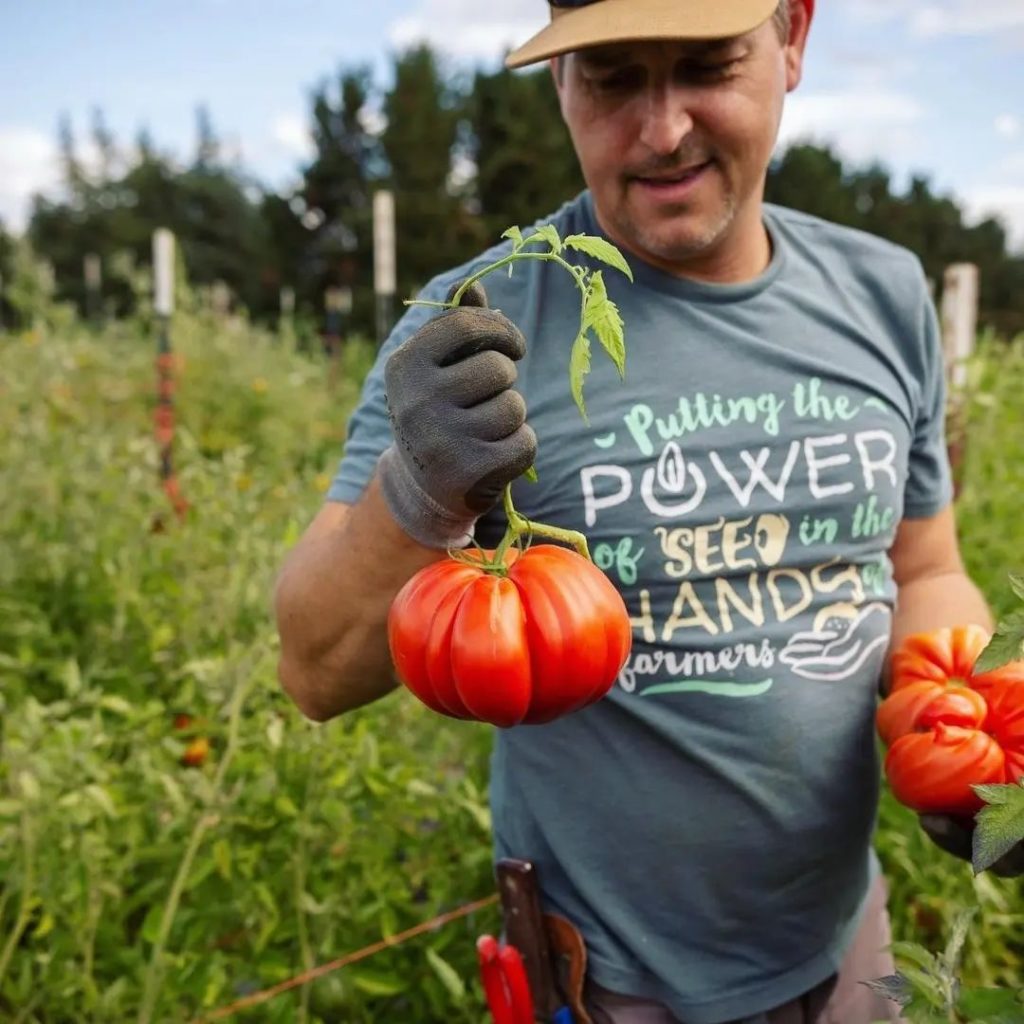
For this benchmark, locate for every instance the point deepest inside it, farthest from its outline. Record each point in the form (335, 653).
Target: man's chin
(677, 247)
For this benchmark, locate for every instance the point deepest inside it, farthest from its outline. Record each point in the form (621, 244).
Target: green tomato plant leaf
(957, 938)
(602, 317)
(999, 825)
(991, 1005)
(547, 233)
(579, 367)
(516, 235)
(1006, 645)
(599, 249)
(893, 987)
(448, 975)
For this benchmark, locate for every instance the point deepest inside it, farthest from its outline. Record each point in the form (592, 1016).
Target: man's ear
(801, 13)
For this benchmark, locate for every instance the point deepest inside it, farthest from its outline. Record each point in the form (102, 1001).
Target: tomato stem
(505, 261)
(519, 526)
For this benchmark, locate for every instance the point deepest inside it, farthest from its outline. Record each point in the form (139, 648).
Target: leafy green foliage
(928, 887)
(1000, 823)
(929, 990)
(1006, 645)
(525, 163)
(309, 841)
(814, 179)
(124, 876)
(599, 316)
(601, 250)
(422, 111)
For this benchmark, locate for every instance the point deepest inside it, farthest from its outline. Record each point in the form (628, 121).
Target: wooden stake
(959, 320)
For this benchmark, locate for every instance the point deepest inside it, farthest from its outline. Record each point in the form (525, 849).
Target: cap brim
(617, 21)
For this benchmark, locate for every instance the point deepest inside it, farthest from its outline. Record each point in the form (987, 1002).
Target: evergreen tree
(106, 148)
(526, 166)
(207, 144)
(337, 195)
(433, 229)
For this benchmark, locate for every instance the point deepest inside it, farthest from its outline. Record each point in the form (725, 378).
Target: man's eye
(710, 72)
(620, 81)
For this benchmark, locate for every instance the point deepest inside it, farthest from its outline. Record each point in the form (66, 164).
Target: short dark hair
(781, 19)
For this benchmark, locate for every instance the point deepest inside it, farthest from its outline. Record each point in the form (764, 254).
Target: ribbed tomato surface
(542, 641)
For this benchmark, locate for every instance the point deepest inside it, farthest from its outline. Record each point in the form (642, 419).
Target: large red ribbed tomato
(933, 771)
(948, 728)
(546, 636)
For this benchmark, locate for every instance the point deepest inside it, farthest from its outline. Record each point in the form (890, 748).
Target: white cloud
(1008, 126)
(1010, 169)
(1001, 193)
(455, 26)
(290, 134)
(943, 17)
(1006, 202)
(968, 17)
(860, 125)
(28, 164)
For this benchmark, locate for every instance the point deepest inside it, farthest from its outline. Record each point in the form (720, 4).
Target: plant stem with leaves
(207, 820)
(599, 318)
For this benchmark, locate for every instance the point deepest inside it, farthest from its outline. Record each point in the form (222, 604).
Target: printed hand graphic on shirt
(842, 640)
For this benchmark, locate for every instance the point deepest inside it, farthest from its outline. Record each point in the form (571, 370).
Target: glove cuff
(416, 512)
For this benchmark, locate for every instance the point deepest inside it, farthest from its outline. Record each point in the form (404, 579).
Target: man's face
(674, 140)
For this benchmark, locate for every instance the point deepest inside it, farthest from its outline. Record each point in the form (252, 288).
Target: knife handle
(525, 929)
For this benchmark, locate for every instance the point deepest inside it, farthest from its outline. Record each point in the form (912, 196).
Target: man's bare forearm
(332, 600)
(932, 602)
(949, 599)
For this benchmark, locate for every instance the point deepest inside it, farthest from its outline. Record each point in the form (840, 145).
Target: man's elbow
(300, 686)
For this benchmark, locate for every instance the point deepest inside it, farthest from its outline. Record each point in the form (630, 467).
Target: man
(768, 488)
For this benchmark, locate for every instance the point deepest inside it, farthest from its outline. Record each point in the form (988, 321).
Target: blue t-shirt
(708, 824)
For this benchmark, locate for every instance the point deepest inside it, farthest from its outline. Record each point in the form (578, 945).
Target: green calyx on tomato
(947, 728)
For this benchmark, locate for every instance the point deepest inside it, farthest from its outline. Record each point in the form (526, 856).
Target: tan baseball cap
(577, 24)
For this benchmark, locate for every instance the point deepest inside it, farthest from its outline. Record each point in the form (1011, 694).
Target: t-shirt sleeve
(929, 480)
(369, 429)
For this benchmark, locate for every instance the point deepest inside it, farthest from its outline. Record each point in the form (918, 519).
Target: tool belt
(552, 948)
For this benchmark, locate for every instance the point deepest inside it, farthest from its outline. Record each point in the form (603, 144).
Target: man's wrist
(416, 512)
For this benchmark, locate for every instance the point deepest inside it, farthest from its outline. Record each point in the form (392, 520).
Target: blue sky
(927, 86)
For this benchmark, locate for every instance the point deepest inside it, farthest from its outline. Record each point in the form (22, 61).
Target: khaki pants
(840, 999)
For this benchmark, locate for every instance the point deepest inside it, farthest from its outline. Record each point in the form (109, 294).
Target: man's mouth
(674, 177)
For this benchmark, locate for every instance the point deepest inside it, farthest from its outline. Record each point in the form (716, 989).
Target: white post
(384, 259)
(93, 274)
(163, 272)
(92, 271)
(287, 298)
(220, 298)
(959, 315)
(959, 318)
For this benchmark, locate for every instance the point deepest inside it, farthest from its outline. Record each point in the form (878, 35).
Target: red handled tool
(505, 983)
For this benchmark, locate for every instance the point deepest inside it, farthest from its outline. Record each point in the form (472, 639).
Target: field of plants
(137, 888)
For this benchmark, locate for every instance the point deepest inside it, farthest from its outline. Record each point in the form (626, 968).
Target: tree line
(465, 157)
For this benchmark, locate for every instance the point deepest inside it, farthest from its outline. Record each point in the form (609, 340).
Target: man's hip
(840, 999)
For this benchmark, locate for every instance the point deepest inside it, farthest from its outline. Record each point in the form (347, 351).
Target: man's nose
(666, 118)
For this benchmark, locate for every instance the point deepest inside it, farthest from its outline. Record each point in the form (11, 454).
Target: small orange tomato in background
(196, 752)
(198, 748)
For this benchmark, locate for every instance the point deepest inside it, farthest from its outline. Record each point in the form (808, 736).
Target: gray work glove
(955, 835)
(460, 429)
